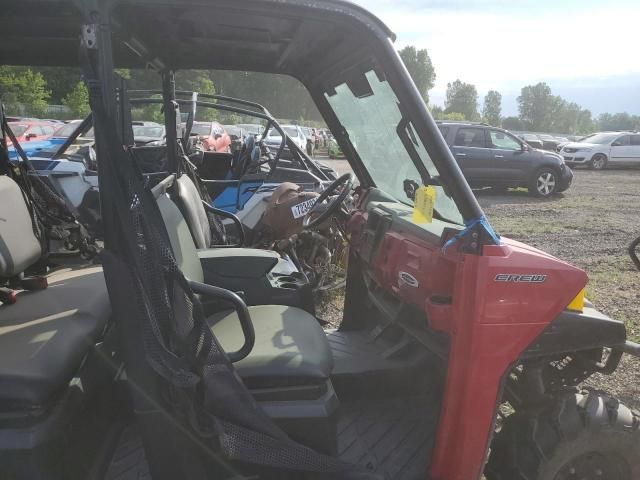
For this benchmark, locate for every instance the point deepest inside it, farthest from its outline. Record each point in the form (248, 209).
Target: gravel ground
(590, 226)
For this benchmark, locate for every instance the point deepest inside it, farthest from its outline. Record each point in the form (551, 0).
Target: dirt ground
(590, 226)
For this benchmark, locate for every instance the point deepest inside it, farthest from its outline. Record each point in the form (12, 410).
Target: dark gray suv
(492, 157)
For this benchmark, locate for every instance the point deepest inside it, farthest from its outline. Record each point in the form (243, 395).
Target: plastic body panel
(489, 305)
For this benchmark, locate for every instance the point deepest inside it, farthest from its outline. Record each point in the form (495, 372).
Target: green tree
(513, 123)
(536, 106)
(462, 98)
(198, 81)
(618, 121)
(23, 91)
(492, 109)
(77, 100)
(420, 68)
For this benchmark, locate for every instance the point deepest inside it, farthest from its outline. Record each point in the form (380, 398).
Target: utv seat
(288, 370)
(290, 348)
(45, 336)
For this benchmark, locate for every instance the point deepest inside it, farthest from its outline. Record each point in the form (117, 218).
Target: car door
(621, 150)
(473, 155)
(635, 149)
(510, 159)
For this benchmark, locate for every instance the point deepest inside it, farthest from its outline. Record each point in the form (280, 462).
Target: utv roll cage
(326, 45)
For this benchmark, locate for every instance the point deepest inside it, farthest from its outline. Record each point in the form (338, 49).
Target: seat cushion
(291, 348)
(46, 334)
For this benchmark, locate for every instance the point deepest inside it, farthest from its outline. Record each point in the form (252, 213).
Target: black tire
(598, 162)
(544, 183)
(587, 436)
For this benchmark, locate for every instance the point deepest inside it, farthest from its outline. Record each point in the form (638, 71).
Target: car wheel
(598, 162)
(544, 183)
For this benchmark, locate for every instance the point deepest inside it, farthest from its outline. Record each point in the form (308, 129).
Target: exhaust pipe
(631, 348)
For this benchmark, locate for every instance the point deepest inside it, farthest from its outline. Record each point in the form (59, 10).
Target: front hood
(580, 145)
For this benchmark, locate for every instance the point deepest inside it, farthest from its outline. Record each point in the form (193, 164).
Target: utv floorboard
(391, 437)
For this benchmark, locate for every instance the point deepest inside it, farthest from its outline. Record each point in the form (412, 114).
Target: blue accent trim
(469, 226)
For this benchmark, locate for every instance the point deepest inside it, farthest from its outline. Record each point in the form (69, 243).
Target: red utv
(164, 371)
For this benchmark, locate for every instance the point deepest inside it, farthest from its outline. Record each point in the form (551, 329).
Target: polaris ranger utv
(156, 371)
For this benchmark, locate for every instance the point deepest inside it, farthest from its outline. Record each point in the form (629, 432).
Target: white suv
(601, 149)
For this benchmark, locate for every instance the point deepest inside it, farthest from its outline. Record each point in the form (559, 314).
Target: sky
(588, 51)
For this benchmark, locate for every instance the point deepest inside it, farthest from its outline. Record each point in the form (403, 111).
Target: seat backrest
(189, 202)
(19, 246)
(182, 244)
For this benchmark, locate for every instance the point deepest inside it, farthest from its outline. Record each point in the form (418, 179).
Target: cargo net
(198, 384)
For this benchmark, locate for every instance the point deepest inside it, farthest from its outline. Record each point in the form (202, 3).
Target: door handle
(461, 154)
(499, 156)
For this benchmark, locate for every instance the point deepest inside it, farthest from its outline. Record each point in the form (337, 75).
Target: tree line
(538, 109)
(29, 91)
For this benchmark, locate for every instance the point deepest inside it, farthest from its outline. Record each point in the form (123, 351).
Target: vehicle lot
(589, 226)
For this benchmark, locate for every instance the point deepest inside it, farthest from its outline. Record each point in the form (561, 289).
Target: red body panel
(490, 324)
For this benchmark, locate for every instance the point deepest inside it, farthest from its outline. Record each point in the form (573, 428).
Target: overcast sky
(588, 51)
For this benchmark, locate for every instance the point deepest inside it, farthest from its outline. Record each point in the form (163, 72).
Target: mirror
(29, 136)
(617, 143)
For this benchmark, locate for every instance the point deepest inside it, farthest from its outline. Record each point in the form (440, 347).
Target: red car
(213, 136)
(28, 130)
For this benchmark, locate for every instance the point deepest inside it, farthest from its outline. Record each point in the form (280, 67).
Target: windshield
(66, 130)
(18, 129)
(376, 128)
(153, 132)
(201, 129)
(251, 128)
(290, 131)
(601, 138)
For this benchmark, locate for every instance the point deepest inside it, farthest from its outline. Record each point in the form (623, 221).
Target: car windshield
(201, 129)
(601, 138)
(251, 128)
(66, 130)
(290, 131)
(148, 131)
(385, 142)
(18, 129)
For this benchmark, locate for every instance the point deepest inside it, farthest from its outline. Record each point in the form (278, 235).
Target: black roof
(274, 36)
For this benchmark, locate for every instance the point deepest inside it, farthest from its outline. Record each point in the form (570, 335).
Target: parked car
(212, 135)
(549, 142)
(253, 128)
(273, 138)
(492, 157)
(531, 139)
(604, 149)
(26, 131)
(148, 133)
(313, 141)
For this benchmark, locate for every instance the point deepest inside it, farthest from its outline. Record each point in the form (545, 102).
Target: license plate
(301, 209)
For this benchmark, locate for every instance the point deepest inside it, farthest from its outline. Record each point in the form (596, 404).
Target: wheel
(598, 162)
(544, 183)
(590, 436)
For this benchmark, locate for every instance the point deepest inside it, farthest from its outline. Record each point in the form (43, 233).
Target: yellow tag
(424, 200)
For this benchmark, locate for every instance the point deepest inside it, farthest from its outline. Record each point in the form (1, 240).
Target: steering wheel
(325, 210)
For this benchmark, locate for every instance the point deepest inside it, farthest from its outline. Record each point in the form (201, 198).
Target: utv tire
(544, 183)
(579, 437)
(598, 162)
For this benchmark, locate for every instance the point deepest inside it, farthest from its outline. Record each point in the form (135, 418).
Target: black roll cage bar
(258, 111)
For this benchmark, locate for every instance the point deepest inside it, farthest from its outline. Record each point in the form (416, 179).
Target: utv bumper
(578, 331)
